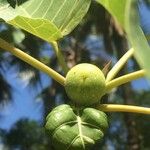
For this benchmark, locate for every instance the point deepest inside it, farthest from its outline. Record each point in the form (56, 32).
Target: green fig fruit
(85, 84)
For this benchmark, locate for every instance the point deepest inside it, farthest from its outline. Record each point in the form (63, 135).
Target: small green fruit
(85, 84)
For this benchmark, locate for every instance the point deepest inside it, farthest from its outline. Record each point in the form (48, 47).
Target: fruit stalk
(124, 79)
(32, 61)
(113, 72)
(60, 57)
(123, 108)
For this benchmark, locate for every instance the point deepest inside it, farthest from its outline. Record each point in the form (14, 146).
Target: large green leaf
(47, 19)
(75, 130)
(126, 12)
(116, 8)
(136, 35)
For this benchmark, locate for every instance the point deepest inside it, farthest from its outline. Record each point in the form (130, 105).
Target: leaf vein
(47, 9)
(69, 14)
(40, 4)
(59, 10)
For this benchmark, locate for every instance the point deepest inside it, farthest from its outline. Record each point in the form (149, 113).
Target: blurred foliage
(26, 135)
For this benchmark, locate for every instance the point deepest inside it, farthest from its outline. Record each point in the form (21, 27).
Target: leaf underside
(75, 132)
(126, 13)
(47, 19)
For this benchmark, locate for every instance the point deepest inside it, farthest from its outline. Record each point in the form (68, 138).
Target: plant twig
(123, 108)
(60, 57)
(117, 67)
(32, 61)
(124, 79)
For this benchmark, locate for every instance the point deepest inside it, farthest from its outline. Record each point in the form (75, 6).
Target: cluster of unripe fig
(85, 84)
(79, 127)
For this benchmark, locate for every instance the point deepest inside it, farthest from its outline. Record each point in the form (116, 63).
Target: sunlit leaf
(116, 8)
(136, 35)
(126, 12)
(47, 19)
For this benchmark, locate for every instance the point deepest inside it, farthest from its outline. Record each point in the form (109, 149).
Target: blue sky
(24, 104)
(145, 17)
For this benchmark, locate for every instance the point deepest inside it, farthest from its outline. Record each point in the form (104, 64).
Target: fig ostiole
(85, 84)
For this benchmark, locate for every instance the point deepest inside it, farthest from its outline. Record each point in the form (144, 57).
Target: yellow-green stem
(123, 108)
(117, 67)
(124, 79)
(60, 57)
(32, 61)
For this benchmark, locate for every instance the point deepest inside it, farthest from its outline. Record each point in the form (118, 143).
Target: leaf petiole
(124, 79)
(32, 61)
(123, 108)
(117, 67)
(60, 57)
